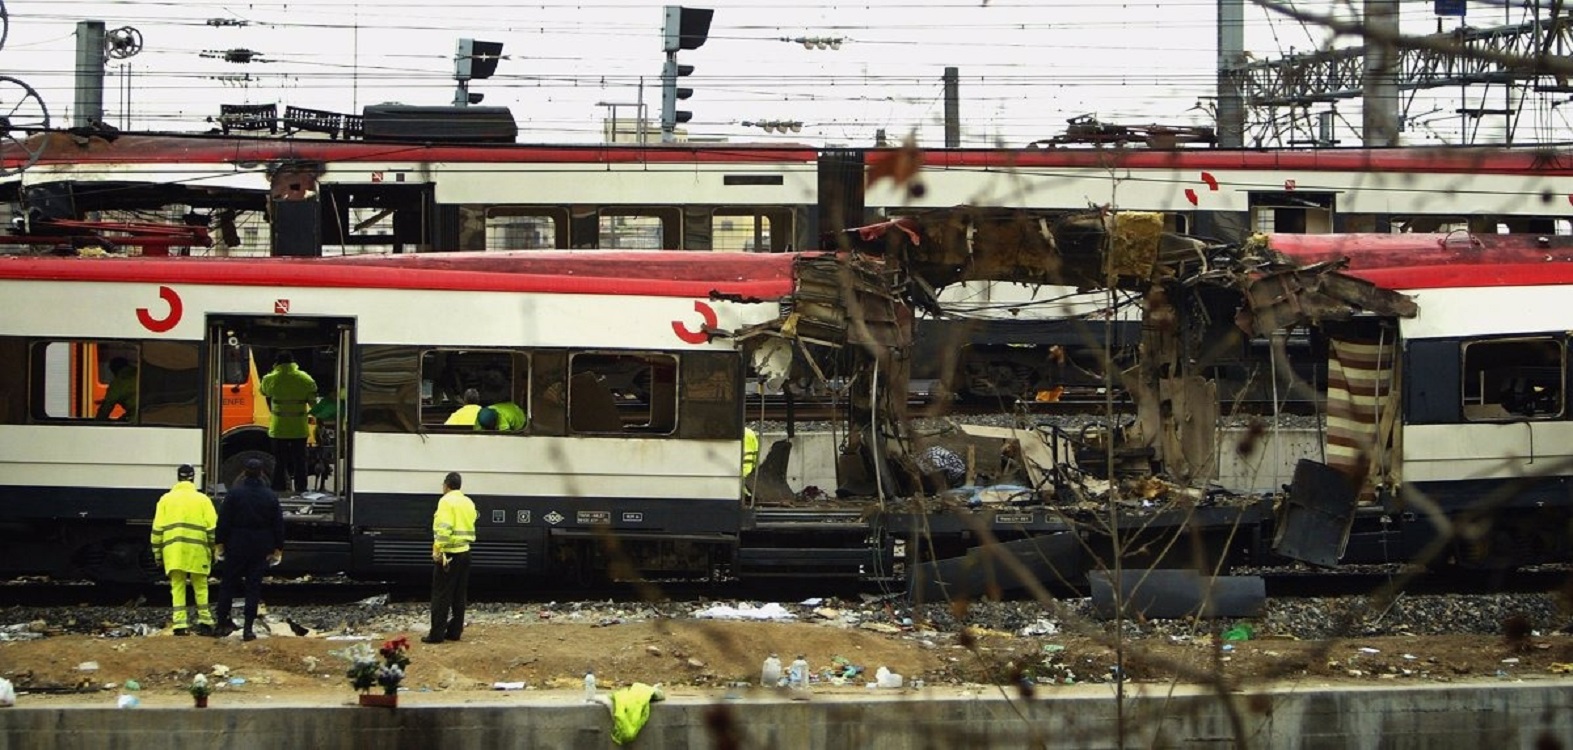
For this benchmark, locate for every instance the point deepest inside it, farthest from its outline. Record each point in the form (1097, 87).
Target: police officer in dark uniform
(250, 535)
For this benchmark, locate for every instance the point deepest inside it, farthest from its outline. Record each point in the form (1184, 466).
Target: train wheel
(233, 466)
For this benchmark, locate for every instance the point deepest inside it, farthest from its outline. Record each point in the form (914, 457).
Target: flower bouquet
(381, 668)
(200, 690)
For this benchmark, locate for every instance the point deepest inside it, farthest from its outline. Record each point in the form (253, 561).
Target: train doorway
(241, 350)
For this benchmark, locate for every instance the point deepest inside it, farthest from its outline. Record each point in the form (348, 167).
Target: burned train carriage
(622, 364)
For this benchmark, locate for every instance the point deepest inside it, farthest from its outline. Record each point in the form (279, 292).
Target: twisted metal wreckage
(1197, 298)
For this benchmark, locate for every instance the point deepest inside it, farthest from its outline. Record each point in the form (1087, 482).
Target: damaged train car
(1444, 426)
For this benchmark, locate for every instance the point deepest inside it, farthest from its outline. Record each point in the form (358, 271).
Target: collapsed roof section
(1123, 250)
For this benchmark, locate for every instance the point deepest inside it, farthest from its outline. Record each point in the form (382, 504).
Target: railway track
(1286, 584)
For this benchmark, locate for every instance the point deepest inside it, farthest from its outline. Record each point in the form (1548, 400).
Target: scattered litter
(133, 685)
(653, 650)
(1241, 632)
(812, 602)
(7, 693)
(374, 601)
(1510, 660)
(87, 666)
(1410, 657)
(128, 701)
(881, 627)
(1228, 646)
(1369, 650)
(1041, 627)
(508, 686)
(220, 670)
(1053, 648)
(1560, 667)
(771, 611)
(237, 681)
(348, 638)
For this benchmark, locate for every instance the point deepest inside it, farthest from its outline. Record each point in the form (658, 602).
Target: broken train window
(1514, 378)
(622, 393)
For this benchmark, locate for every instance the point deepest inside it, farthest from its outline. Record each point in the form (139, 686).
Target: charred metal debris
(1196, 298)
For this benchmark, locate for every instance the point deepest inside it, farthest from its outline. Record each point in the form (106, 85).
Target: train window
(645, 228)
(520, 228)
(622, 393)
(1292, 212)
(1513, 379)
(13, 380)
(457, 383)
(748, 229)
(153, 383)
(390, 388)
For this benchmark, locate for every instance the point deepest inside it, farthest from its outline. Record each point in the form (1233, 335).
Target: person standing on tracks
(453, 531)
(182, 540)
(250, 536)
(291, 393)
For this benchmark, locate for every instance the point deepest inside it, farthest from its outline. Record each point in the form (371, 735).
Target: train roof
(747, 276)
(65, 148)
(1436, 261)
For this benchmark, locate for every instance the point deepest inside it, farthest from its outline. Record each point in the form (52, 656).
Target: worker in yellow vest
(291, 392)
(453, 531)
(182, 541)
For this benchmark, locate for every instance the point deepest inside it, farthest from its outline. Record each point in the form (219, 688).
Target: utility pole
(1231, 58)
(89, 107)
(1380, 105)
(952, 107)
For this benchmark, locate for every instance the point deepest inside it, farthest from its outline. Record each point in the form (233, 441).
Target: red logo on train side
(170, 320)
(700, 336)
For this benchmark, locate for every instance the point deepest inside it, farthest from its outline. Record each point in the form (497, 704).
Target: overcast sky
(1026, 65)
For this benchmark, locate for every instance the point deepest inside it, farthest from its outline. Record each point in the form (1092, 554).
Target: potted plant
(200, 690)
(381, 668)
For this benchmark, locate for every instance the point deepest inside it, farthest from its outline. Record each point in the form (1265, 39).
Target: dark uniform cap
(185, 472)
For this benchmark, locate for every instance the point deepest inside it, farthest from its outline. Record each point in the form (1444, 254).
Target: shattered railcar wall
(844, 325)
(1197, 298)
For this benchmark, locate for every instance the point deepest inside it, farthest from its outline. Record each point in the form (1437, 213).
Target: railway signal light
(685, 28)
(473, 60)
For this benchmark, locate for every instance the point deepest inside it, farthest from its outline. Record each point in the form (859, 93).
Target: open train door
(240, 351)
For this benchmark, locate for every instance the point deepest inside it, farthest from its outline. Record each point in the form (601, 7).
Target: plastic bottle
(589, 685)
(798, 673)
(770, 674)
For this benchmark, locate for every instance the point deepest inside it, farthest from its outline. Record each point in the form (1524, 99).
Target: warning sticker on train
(553, 518)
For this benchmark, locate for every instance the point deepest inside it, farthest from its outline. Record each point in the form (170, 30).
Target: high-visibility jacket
(453, 526)
(464, 416)
(510, 417)
(750, 451)
(291, 393)
(183, 527)
(631, 709)
(122, 390)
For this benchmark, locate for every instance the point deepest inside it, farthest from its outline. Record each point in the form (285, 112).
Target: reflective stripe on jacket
(750, 451)
(183, 527)
(291, 393)
(453, 526)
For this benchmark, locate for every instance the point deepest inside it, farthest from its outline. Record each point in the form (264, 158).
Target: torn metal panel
(1314, 521)
(1308, 296)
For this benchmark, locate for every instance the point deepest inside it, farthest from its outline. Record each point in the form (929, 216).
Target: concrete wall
(1496, 716)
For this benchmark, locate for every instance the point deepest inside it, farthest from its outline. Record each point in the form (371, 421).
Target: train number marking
(593, 517)
(633, 517)
(553, 518)
(161, 325)
(701, 336)
(281, 307)
(1013, 518)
